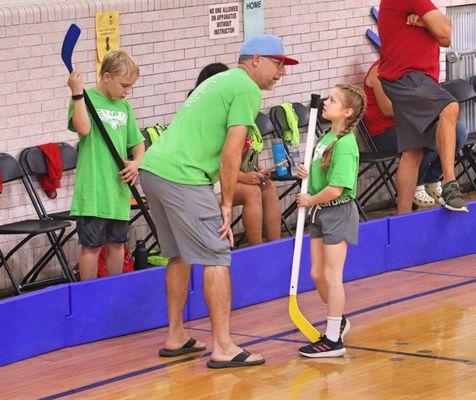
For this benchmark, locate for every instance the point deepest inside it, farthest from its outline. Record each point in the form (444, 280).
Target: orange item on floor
(128, 262)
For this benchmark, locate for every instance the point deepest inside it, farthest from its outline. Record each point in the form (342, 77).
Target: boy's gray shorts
(335, 224)
(417, 102)
(187, 219)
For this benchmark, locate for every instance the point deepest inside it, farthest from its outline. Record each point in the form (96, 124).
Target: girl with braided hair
(334, 219)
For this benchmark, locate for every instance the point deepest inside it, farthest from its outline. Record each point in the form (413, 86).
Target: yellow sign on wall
(107, 36)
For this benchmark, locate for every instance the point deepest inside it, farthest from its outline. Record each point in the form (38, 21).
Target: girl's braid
(354, 98)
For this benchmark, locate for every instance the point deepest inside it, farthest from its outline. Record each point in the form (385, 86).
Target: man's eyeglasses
(279, 63)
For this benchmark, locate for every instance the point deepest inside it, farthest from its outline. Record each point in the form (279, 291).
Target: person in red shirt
(380, 123)
(411, 32)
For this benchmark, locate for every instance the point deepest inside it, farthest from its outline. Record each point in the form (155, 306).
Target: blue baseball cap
(266, 45)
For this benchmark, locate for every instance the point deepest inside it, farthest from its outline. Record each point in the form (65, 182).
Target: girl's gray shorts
(335, 224)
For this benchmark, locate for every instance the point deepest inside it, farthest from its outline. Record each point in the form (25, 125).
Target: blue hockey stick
(373, 38)
(374, 13)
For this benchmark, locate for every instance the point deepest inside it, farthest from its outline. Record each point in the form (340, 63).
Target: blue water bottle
(279, 154)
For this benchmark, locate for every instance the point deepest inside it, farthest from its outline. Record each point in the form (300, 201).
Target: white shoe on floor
(422, 198)
(434, 190)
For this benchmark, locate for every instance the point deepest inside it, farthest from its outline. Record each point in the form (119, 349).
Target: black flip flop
(185, 349)
(237, 361)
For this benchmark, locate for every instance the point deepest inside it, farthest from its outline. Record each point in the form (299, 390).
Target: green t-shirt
(98, 190)
(189, 151)
(343, 169)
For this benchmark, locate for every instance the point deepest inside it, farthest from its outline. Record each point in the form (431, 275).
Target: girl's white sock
(333, 328)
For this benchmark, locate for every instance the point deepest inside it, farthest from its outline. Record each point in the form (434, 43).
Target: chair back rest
(148, 140)
(303, 114)
(10, 168)
(33, 160)
(157, 130)
(278, 119)
(366, 137)
(462, 90)
(265, 125)
(320, 107)
(472, 82)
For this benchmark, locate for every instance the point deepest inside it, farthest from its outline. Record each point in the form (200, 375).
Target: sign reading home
(253, 18)
(223, 20)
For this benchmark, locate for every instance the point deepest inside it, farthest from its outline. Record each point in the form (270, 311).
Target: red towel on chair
(51, 181)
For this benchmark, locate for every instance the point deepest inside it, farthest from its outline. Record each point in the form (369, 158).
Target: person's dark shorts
(417, 102)
(335, 224)
(96, 232)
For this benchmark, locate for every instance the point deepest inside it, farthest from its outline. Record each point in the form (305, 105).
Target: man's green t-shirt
(189, 151)
(98, 190)
(343, 169)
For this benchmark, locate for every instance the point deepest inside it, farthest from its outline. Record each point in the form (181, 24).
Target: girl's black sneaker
(323, 348)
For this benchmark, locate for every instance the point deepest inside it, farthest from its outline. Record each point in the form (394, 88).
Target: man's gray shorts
(336, 224)
(417, 102)
(187, 218)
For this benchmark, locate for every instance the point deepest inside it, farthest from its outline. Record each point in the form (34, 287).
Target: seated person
(258, 196)
(208, 71)
(254, 190)
(381, 125)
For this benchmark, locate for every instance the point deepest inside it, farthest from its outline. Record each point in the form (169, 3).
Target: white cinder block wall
(169, 40)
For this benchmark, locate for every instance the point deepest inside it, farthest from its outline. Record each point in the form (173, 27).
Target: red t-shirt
(406, 48)
(376, 121)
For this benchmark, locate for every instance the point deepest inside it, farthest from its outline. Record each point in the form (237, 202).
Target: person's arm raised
(79, 118)
(439, 25)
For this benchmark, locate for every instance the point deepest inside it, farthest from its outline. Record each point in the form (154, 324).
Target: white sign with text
(224, 20)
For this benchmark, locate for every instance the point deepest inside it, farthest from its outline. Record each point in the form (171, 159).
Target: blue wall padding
(261, 273)
(61, 316)
(258, 274)
(429, 236)
(305, 282)
(33, 323)
(116, 305)
(369, 256)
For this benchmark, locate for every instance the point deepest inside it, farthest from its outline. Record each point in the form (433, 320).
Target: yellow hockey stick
(306, 328)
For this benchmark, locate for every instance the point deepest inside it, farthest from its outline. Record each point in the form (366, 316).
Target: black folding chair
(464, 92)
(11, 172)
(33, 163)
(280, 123)
(385, 163)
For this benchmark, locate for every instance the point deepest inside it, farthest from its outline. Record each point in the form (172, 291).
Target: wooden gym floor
(412, 337)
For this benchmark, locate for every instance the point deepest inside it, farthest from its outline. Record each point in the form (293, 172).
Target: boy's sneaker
(323, 348)
(344, 327)
(451, 197)
(434, 190)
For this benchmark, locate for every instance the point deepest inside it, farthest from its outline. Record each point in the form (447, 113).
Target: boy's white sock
(333, 328)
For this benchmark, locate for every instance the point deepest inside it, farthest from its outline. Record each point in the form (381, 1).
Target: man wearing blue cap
(204, 144)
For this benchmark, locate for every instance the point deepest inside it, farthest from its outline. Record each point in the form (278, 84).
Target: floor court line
(376, 307)
(438, 273)
(257, 340)
(123, 377)
(395, 352)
